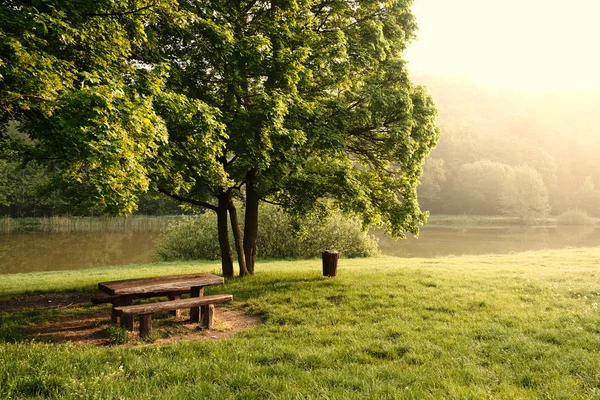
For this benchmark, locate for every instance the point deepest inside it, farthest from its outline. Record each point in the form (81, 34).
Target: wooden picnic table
(128, 289)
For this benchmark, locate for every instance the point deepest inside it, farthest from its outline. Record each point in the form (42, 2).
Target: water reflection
(27, 252)
(436, 242)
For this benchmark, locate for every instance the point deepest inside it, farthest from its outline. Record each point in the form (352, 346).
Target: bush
(191, 239)
(196, 238)
(575, 217)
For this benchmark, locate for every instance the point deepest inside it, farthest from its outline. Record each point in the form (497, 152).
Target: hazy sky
(527, 44)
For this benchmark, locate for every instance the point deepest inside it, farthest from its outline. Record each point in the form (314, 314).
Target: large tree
(301, 103)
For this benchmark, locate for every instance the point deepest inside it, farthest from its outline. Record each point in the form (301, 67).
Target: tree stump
(330, 262)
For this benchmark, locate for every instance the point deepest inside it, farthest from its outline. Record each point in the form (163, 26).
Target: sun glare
(524, 44)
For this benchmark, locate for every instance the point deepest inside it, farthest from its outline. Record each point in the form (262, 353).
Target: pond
(28, 252)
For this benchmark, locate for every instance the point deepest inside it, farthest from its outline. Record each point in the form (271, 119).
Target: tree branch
(188, 200)
(271, 202)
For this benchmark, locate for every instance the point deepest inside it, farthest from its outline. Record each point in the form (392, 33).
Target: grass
(516, 326)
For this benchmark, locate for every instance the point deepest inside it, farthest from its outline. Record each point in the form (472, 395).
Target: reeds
(135, 223)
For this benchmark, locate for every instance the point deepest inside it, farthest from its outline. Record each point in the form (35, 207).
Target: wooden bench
(145, 311)
(129, 289)
(102, 298)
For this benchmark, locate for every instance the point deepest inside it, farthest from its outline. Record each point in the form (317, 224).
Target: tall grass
(135, 223)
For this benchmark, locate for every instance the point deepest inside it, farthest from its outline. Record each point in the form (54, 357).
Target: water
(27, 252)
(438, 242)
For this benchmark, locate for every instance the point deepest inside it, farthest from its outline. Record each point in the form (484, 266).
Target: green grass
(518, 326)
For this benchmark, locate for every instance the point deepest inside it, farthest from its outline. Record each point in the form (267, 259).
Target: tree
(587, 197)
(432, 183)
(302, 103)
(524, 194)
(477, 187)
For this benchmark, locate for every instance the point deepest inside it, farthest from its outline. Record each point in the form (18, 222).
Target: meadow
(520, 326)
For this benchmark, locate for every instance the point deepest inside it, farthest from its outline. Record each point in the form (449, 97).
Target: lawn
(521, 325)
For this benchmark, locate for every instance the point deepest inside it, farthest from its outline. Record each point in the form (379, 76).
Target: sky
(536, 45)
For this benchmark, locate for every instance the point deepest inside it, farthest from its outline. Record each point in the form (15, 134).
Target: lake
(27, 252)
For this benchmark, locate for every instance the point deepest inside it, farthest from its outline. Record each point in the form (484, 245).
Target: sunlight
(524, 44)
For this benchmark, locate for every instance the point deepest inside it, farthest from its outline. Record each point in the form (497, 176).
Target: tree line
(505, 152)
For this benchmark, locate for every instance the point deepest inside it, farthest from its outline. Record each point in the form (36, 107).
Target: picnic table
(171, 285)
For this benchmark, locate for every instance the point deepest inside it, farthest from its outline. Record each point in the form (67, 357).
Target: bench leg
(195, 311)
(175, 313)
(126, 321)
(206, 322)
(145, 325)
(113, 315)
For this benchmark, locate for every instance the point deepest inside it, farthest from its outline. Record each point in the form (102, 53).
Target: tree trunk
(226, 259)
(237, 237)
(251, 221)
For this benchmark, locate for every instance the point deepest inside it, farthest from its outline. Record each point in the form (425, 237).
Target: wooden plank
(101, 298)
(152, 308)
(159, 284)
(195, 311)
(126, 320)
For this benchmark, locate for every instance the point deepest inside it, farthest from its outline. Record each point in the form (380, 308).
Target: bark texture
(237, 237)
(251, 222)
(226, 258)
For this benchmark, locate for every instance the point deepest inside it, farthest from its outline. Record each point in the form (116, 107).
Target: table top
(158, 284)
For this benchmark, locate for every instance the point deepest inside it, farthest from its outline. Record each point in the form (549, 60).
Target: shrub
(196, 237)
(191, 239)
(575, 217)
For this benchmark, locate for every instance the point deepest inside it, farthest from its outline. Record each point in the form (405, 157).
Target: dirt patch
(45, 301)
(90, 325)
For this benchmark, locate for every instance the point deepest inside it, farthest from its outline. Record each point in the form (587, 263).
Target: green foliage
(191, 239)
(576, 217)
(69, 80)
(196, 238)
(279, 237)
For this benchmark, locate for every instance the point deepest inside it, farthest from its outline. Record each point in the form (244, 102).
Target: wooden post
(113, 315)
(175, 313)
(330, 261)
(126, 321)
(145, 325)
(206, 321)
(195, 311)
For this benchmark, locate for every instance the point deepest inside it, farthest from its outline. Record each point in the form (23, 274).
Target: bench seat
(145, 311)
(102, 298)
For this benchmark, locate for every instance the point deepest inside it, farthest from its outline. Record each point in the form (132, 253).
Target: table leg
(195, 311)
(126, 321)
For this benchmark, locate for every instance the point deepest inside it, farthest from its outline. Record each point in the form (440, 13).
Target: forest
(504, 152)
